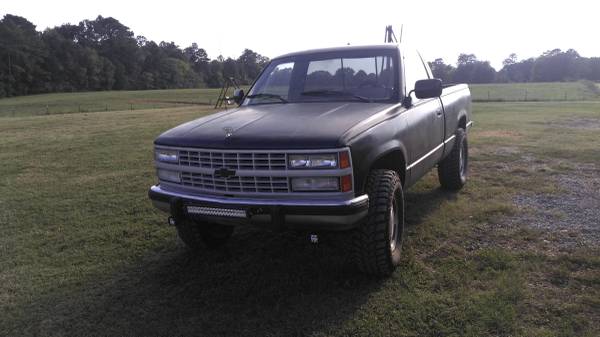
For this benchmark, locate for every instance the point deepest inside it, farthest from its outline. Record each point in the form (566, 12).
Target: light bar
(212, 211)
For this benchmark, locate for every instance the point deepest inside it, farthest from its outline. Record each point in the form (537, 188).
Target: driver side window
(414, 70)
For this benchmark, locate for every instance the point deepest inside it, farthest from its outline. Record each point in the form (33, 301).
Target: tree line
(104, 54)
(552, 66)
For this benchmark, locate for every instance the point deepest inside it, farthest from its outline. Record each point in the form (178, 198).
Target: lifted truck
(325, 140)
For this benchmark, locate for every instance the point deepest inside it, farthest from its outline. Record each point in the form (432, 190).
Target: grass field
(82, 252)
(104, 101)
(64, 103)
(511, 92)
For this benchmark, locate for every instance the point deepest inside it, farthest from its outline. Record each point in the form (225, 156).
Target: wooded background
(104, 54)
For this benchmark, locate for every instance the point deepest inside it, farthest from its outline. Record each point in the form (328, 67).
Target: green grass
(510, 92)
(82, 251)
(63, 103)
(104, 101)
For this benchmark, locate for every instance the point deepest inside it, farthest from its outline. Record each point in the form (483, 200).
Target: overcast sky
(490, 29)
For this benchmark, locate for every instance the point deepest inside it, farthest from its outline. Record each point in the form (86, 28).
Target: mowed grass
(82, 251)
(555, 91)
(104, 101)
(62, 103)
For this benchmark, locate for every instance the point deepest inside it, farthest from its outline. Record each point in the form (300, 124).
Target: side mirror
(428, 88)
(238, 95)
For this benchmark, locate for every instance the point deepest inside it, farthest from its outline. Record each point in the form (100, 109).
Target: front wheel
(377, 243)
(452, 171)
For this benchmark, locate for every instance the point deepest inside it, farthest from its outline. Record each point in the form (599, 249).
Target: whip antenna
(401, 31)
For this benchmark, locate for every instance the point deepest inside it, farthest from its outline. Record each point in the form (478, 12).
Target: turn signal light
(346, 183)
(344, 159)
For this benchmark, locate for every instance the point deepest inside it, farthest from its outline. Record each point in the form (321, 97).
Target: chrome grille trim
(233, 160)
(261, 179)
(237, 184)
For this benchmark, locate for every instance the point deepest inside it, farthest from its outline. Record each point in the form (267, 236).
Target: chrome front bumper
(308, 214)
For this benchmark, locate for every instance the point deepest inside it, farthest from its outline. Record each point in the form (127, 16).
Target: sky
(439, 29)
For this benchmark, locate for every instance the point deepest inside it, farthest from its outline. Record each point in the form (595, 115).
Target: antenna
(401, 31)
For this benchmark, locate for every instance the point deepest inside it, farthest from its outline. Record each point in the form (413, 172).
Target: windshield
(369, 77)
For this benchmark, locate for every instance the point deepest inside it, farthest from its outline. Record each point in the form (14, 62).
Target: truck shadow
(261, 284)
(420, 203)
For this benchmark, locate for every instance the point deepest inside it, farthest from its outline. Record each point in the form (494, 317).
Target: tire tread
(370, 242)
(449, 168)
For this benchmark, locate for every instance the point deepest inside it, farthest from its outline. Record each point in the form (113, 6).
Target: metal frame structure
(230, 82)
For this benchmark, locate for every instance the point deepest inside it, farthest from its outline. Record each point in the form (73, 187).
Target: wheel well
(462, 123)
(393, 160)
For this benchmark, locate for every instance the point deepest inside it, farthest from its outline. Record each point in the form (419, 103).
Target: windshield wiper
(267, 95)
(335, 93)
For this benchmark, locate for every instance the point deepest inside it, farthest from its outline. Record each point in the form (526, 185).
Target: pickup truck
(325, 140)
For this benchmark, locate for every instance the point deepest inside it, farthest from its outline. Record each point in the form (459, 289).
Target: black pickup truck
(325, 140)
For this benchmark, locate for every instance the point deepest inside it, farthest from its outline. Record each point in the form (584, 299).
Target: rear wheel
(453, 170)
(376, 245)
(195, 235)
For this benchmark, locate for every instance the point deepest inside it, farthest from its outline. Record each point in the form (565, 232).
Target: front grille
(233, 160)
(251, 184)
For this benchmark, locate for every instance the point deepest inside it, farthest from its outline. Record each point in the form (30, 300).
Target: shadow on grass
(419, 204)
(261, 284)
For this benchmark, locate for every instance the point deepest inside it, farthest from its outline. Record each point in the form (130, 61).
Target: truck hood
(273, 126)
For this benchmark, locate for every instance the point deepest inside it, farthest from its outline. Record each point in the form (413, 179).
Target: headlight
(168, 175)
(313, 160)
(308, 184)
(166, 156)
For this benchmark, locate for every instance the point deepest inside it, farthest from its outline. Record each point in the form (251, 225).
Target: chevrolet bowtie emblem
(228, 132)
(224, 173)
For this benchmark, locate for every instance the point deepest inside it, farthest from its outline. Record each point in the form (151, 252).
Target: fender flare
(382, 151)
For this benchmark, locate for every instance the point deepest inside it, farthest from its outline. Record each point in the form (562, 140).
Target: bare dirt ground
(572, 214)
(580, 123)
(566, 217)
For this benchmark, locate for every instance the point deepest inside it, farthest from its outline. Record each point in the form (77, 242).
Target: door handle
(439, 113)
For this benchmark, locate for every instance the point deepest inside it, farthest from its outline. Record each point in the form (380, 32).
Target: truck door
(425, 121)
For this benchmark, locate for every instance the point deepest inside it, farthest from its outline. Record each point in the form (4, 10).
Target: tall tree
(21, 57)
(441, 70)
(470, 70)
(251, 64)
(199, 60)
(555, 65)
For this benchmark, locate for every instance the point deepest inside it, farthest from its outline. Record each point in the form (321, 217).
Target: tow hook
(314, 239)
(171, 221)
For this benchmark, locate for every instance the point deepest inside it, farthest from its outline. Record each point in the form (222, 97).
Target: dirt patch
(564, 218)
(507, 150)
(579, 123)
(499, 134)
(570, 217)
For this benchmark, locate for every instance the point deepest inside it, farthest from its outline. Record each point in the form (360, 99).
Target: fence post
(47, 109)
(565, 95)
(131, 106)
(525, 94)
(79, 107)
(106, 107)
(488, 95)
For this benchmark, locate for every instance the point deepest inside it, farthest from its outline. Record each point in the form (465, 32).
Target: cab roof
(386, 46)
